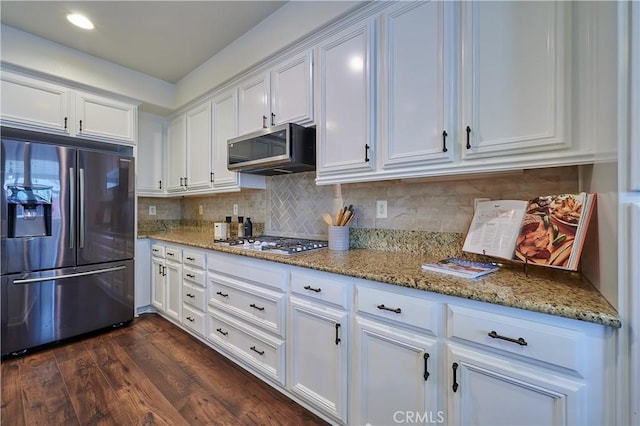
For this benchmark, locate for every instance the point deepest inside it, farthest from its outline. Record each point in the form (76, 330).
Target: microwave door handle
(82, 209)
(72, 211)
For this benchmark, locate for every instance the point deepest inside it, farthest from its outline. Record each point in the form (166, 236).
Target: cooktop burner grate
(272, 244)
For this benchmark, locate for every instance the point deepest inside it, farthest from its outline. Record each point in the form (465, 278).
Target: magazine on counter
(548, 230)
(461, 267)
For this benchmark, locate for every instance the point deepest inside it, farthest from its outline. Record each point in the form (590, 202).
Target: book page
(495, 227)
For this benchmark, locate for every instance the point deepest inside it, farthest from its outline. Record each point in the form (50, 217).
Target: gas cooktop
(276, 245)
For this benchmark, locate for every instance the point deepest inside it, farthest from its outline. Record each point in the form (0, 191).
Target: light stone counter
(545, 290)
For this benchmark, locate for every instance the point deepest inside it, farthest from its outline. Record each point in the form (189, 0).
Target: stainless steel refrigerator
(67, 238)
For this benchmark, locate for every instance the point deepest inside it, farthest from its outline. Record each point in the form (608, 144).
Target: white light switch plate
(152, 210)
(381, 209)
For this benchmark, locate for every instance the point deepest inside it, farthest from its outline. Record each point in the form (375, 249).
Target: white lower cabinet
(395, 375)
(166, 280)
(318, 372)
(194, 294)
(486, 389)
(158, 283)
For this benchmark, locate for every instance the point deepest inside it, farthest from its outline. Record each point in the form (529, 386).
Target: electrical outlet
(477, 200)
(200, 209)
(381, 209)
(235, 209)
(152, 210)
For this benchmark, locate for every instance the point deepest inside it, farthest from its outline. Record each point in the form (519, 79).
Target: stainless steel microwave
(283, 149)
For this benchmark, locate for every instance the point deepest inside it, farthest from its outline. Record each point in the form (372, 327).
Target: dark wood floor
(149, 373)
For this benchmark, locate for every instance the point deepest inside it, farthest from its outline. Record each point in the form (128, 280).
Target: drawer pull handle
(337, 333)
(190, 319)
(224, 333)
(155, 250)
(384, 308)
(190, 295)
(222, 294)
(454, 366)
(170, 254)
(191, 258)
(426, 366)
(253, 305)
(191, 275)
(520, 341)
(253, 348)
(308, 287)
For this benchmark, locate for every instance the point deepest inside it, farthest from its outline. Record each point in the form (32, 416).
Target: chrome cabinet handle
(264, 121)
(77, 274)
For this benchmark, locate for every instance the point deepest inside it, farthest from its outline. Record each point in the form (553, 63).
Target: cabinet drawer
(404, 309)
(194, 276)
(246, 269)
(193, 319)
(173, 254)
(157, 250)
(194, 259)
(325, 287)
(256, 305)
(542, 342)
(194, 296)
(262, 352)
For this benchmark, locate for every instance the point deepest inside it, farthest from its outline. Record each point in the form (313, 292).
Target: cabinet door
(345, 104)
(158, 289)
(318, 368)
(149, 178)
(35, 105)
(416, 84)
(224, 128)
(513, 78)
(395, 375)
(104, 118)
(292, 91)
(253, 104)
(487, 390)
(143, 283)
(173, 305)
(199, 147)
(176, 149)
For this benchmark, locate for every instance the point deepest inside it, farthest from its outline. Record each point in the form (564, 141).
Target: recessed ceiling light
(80, 21)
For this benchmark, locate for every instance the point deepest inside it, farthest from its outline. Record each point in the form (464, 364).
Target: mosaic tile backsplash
(293, 205)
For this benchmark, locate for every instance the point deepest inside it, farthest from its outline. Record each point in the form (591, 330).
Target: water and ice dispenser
(29, 211)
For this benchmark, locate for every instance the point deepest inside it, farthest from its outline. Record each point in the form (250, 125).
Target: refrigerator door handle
(77, 274)
(81, 204)
(72, 213)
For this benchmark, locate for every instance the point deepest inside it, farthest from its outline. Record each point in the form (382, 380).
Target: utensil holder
(338, 238)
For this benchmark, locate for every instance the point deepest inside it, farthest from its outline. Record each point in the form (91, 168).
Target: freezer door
(106, 214)
(44, 307)
(38, 223)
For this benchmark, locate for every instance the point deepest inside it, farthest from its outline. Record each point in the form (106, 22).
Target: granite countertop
(545, 290)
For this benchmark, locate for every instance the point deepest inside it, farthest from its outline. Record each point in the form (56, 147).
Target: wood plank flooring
(149, 373)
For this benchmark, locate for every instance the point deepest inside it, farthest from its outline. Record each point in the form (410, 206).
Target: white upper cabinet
(279, 95)
(514, 93)
(33, 104)
(345, 101)
(199, 156)
(416, 83)
(224, 128)
(102, 118)
(176, 154)
(149, 178)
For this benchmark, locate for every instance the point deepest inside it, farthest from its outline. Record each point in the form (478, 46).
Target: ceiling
(163, 39)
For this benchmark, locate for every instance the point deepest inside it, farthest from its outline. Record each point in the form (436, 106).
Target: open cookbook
(548, 230)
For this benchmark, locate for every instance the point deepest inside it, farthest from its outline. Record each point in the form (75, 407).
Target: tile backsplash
(293, 204)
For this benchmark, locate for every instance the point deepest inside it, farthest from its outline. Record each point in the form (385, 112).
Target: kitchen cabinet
(515, 92)
(158, 277)
(225, 120)
(396, 360)
(149, 157)
(143, 275)
(416, 84)
(166, 280)
(36, 104)
(319, 339)
(278, 95)
(345, 101)
(246, 313)
(194, 294)
(189, 150)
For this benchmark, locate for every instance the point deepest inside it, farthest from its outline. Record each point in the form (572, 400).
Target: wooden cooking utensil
(327, 219)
